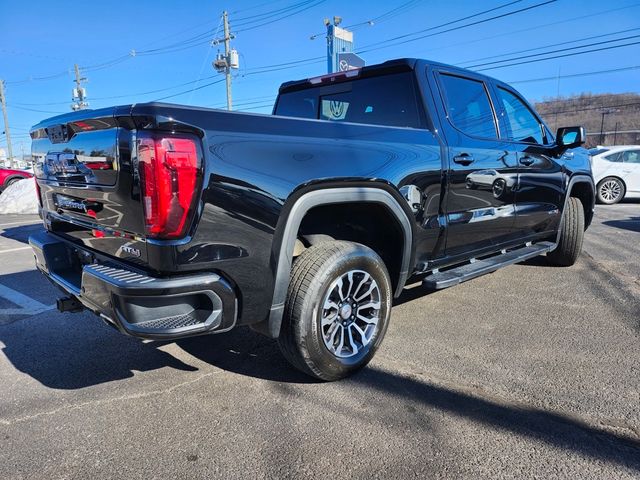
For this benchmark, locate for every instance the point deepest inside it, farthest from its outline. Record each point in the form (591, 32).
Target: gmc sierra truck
(170, 221)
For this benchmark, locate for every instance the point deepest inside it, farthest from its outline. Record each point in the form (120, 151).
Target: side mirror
(570, 137)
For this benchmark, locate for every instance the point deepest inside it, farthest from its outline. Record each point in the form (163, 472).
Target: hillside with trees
(617, 114)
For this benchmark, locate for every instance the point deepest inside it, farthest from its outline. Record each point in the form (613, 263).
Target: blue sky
(45, 38)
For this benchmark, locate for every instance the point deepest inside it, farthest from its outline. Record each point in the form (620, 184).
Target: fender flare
(326, 197)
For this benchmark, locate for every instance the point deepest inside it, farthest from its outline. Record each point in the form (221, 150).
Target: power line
(190, 90)
(197, 40)
(549, 46)
(32, 109)
(200, 38)
(380, 18)
(575, 75)
(601, 49)
(385, 43)
(304, 5)
(260, 5)
(399, 10)
(555, 51)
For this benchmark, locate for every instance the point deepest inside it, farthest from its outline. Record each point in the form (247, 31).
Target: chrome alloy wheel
(610, 190)
(350, 313)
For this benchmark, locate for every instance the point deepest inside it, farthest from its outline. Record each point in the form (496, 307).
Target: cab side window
(468, 106)
(523, 124)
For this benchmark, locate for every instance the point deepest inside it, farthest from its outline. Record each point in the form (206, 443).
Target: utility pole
(3, 101)
(79, 94)
(225, 62)
(603, 113)
(227, 49)
(615, 134)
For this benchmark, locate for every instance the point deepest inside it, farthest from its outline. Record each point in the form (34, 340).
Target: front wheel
(610, 190)
(337, 309)
(571, 235)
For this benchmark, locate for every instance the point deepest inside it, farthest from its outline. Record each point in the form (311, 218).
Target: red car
(9, 176)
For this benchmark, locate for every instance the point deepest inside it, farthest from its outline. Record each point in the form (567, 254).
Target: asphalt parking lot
(528, 372)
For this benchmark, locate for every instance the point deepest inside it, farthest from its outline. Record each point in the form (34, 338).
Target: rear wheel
(610, 190)
(571, 235)
(337, 309)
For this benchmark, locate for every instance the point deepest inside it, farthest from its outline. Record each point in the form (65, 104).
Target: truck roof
(390, 66)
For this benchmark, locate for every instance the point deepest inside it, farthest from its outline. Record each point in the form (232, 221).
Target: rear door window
(468, 106)
(384, 100)
(632, 156)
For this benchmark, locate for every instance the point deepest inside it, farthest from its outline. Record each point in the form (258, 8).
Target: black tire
(610, 190)
(571, 235)
(499, 187)
(313, 278)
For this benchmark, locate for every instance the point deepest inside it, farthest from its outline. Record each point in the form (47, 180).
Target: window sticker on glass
(334, 109)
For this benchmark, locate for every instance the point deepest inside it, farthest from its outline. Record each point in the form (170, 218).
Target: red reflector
(169, 169)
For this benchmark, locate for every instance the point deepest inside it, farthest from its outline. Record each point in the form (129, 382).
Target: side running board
(439, 280)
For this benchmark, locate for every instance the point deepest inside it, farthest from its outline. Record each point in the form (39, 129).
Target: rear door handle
(463, 159)
(526, 161)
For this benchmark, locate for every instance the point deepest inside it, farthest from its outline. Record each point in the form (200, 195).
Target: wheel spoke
(332, 335)
(354, 347)
(370, 321)
(341, 342)
(363, 336)
(329, 319)
(350, 280)
(330, 305)
(374, 305)
(340, 284)
(364, 280)
(367, 293)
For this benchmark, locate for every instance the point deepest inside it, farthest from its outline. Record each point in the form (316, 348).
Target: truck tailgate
(87, 185)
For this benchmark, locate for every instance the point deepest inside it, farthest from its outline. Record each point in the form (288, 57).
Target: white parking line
(14, 249)
(26, 305)
(24, 222)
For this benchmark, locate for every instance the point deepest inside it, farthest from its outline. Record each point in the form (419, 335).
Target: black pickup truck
(169, 221)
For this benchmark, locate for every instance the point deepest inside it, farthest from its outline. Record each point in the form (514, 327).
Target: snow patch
(20, 197)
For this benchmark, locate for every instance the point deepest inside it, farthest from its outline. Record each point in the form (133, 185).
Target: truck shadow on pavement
(77, 351)
(632, 224)
(597, 441)
(71, 351)
(21, 233)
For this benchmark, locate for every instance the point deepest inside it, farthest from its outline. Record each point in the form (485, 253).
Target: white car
(496, 182)
(616, 171)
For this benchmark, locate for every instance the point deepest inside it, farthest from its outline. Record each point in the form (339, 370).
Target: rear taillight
(169, 170)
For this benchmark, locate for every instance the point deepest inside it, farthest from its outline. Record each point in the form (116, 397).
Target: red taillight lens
(169, 169)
